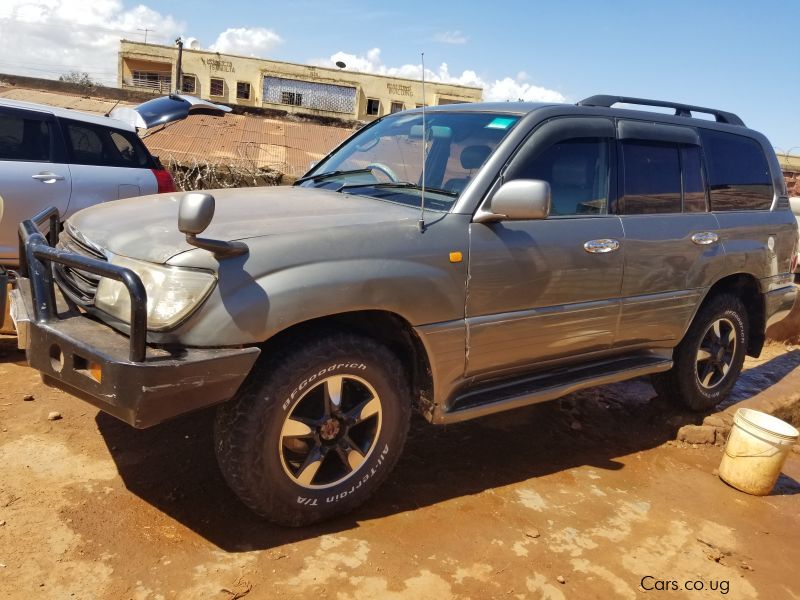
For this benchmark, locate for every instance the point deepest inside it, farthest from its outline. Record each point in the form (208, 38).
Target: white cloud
(450, 37)
(247, 41)
(46, 38)
(498, 90)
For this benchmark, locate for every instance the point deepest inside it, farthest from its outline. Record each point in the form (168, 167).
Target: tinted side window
(652, 178)
(738, 173)
(578, 173)
(95, 145)
(24, 139)
(694, 189)
(85, 144)
(131, 153)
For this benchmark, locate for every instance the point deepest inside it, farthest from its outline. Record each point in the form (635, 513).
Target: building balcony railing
(161, 86)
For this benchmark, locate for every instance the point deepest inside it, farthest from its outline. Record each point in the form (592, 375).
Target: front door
(550, 288)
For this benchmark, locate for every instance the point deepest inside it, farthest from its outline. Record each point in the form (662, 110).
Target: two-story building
(296, 88)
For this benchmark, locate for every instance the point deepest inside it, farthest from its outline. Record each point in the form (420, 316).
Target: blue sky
(733, 55)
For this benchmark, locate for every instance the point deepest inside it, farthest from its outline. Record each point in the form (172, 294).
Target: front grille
(79, 285)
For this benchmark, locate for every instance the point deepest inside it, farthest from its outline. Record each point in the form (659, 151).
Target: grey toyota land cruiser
(462, 261)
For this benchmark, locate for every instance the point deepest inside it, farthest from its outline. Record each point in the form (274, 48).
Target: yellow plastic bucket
(755, 451)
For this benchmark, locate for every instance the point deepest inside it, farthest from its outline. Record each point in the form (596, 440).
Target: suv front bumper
(139, 384)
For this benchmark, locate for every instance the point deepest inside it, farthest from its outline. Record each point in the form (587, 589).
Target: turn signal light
(95, 372)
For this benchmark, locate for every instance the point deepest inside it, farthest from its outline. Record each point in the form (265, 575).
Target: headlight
(172, 292)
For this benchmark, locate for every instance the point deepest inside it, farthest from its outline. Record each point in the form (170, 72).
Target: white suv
(70, 160)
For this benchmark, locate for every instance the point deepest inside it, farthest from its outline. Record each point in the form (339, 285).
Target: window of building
(694, 187)
(293, 98)
(243, 90)
(373, 106)
(738, 173)
(189, 85)
(217, 87)
(397, 107)
(652, 178)
(24, 139)
(309, 94)
(578, 172)
(154, 80)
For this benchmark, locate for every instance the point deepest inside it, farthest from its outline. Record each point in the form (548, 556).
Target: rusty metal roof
(246, 141)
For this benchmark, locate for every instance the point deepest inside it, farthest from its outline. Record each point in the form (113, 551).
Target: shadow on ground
(173, 467)
(763, 374)
(9, 353)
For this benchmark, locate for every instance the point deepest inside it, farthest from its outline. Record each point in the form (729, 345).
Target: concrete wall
(790, 165)
(53, 85)
(205, 66)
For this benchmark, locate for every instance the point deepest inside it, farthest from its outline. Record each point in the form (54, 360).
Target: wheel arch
(384, 327)
(744, 286)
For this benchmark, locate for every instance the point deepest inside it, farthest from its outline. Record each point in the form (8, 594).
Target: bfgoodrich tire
(316, 433)
(709, 359)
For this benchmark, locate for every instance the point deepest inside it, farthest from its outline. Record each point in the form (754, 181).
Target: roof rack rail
(681, 110)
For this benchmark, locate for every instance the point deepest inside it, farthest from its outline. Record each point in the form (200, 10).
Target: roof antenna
(421, 221)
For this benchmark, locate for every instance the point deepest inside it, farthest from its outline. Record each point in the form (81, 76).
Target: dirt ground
(585, 497)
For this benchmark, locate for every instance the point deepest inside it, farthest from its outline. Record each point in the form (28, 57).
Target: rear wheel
(318, 432)
(709, 359)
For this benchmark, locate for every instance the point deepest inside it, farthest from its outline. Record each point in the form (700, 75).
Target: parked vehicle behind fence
(460, 262)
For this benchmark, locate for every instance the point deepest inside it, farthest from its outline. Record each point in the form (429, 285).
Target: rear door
(672, 245)
(106, 164)
(33, 173)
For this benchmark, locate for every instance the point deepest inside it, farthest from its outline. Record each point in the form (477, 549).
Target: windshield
(385, 160)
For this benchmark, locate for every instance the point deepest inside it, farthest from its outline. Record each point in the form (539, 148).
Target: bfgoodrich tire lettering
(709, 359)
(317, 432)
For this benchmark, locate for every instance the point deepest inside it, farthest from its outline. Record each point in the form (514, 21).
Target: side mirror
(521, 199)
(195, 213)
(194, 216)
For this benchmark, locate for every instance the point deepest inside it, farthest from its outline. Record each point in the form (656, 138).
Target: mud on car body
(560, 247)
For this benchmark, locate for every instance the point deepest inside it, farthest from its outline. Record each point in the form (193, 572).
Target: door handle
(704, 238)
(47, 177)
(601, 246)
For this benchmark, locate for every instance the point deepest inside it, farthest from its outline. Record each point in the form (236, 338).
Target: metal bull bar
(36, 258)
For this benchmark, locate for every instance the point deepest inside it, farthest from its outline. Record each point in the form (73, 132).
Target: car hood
(146, 227)
(166, 109)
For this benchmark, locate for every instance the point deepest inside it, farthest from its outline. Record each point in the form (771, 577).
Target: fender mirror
(195, 212)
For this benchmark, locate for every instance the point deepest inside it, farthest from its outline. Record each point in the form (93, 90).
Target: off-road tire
(248, 429)
(682, 384)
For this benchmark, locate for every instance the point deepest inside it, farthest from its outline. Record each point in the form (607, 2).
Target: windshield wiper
(329, 174)
(398, 185)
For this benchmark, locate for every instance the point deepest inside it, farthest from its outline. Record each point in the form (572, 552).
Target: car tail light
(165, 181)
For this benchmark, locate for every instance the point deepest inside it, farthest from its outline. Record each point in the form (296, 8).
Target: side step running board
(498, 397)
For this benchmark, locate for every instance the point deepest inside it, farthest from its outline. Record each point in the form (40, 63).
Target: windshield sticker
(501, 123)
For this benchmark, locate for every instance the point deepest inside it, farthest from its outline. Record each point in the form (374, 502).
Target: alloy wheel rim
(330, 431)
(715, 353)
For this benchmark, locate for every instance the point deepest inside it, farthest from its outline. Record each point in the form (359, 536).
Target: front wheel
(709, 359)
(317, 433)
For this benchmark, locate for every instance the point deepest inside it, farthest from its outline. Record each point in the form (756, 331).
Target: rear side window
(130, 149)
(24, 139)
(652, 178)
(694, 189)
(95, 145)
(738, 172)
